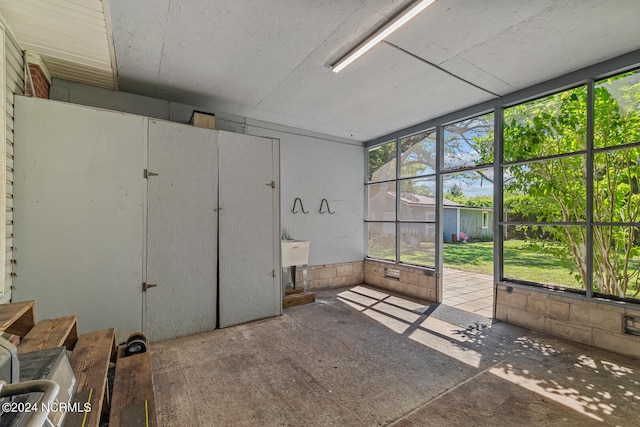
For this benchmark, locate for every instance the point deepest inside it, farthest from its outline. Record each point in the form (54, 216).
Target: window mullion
(589, 187)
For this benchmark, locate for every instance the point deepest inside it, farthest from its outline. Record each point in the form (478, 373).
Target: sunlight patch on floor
(568, 397)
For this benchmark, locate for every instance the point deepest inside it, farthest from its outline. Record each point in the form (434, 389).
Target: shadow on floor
(360, 356)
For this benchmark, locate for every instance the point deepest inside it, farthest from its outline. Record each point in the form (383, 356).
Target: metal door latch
(271, 184)
(146, 286)
(147, 174)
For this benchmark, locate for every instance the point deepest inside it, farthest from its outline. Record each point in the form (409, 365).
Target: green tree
(555, 189)
(455, 191)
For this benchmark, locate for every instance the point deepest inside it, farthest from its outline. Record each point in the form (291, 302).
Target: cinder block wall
(599, 323)
(332, 275)
(415, 281)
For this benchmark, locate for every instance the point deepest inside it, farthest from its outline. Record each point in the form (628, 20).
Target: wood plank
(298, 299)
(90, 363)
(133, 398)
(294, 291)
(50, 333)
(17, 318)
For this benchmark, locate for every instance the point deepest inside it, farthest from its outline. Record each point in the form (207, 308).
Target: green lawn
(519, 262)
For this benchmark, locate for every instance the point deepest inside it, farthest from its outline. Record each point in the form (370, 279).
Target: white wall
(312, 167)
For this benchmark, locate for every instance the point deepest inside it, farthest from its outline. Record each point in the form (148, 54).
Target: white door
(249, 251)
(79, 220)
(182, 231)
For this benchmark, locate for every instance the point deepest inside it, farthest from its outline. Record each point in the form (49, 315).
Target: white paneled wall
(14, 85)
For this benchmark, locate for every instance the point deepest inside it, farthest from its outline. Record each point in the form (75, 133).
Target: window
(569, 186)
(467, 183)
(544, 190)
(401, 200)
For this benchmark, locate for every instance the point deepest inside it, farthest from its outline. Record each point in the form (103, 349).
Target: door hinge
(271, 184)
(273, 273)
(147, 174)
(146, 286)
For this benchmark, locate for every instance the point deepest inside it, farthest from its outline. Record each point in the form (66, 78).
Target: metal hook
(325, 201)
(293, 210)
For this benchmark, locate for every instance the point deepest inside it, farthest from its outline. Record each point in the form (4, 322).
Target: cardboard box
(203, 120)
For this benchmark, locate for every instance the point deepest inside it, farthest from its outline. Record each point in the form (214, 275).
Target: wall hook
(322, 203)
(293, 210)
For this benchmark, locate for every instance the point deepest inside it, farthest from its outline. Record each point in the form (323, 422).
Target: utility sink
(295, 252)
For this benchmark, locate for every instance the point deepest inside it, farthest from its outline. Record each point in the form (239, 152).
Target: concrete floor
(363, 357)
(468, 291)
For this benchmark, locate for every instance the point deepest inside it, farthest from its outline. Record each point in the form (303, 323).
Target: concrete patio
(468, 291)
(364, 357)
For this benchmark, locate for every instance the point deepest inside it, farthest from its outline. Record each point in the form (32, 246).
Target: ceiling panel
(565, 37)
(428, 94)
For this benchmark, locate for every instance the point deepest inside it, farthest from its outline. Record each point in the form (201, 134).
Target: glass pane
(552, 125)
(418, 154)
(616, 261)
(382, 240)
(616, 190)
(617, 110)
(549, 255)
(418, 243)
(381, 201)
(468, 206)
(418, 199)
(469, 142)
(546, 191)
(382, 162)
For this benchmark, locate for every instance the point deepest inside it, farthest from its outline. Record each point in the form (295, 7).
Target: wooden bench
(17, 318)
(50, 333)
(133, 402)
(90, 363)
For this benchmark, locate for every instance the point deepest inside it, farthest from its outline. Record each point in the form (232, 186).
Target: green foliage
(382, 160)
(555, 189)
(454, 192)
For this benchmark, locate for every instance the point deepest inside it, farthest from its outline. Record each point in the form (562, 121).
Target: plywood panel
(79, 210)
(249, 229)
(182, 231)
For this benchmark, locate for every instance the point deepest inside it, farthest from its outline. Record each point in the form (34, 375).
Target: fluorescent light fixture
(381, 34)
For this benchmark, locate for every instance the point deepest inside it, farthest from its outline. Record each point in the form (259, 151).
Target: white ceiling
(270, 60)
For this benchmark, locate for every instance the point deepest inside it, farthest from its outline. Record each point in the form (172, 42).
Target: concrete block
(413, 290)
(597, 316)
(358, 267)
(527, 292)
(501, 312)
(353, 280)
(374, 280)
(313, 273)
(336, 282)
(328, 272)
(409, 277)
(523, 318)
(570, 331)
(426, 280)
(537, 305)
(344, 270)
(321, 283)
(512, 299)
(431, 295)
(396, 286)
(558, 310)
(628, 345)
